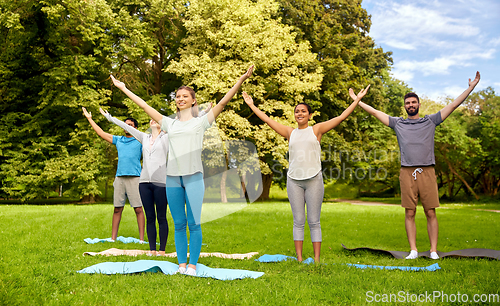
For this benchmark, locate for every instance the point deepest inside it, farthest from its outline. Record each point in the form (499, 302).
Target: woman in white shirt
(304, 178)
(152, 181)
(185, 186)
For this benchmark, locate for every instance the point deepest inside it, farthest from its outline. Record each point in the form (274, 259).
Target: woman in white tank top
(304, 178)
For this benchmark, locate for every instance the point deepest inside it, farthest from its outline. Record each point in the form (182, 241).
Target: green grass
(42, 247)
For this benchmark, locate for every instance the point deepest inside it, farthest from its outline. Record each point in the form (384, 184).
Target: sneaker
(181, 270)
(413, 255)
(434, 255)
(190, 271)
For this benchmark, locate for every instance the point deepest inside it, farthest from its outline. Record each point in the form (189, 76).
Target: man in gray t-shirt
(416, 144)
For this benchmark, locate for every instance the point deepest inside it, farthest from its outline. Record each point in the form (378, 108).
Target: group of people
(173, 171)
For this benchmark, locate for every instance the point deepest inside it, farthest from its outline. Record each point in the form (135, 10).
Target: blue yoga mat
(120, 238)
(430, 268)
(279, 257)
(168, 268)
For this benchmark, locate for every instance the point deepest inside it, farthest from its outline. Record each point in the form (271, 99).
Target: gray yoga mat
(486, 253)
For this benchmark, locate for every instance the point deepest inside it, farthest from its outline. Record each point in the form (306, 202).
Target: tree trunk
(243, 191)
(223, 195)
(459, 176)
(495, 191)
(106, 189)
(88, 199)
(158, 62)
(267, 179)
(450, 185)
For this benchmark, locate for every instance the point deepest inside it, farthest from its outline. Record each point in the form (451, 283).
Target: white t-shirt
(185, 144)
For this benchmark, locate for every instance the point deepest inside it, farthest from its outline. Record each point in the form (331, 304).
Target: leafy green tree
(338, 33)
(379, 144)
(223, 38)
(483, 123)
(53, 58)
(455, 151)
(56, 56)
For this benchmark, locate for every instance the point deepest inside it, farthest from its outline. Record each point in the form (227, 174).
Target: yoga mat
(279, 257)
(118, 252)
(168, 268)
(120, 238)
(486, 253)
(430, 268)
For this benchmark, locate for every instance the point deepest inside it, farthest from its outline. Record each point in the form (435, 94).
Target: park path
(367, 203)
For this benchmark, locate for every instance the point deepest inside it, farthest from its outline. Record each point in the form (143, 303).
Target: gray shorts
(126, 187)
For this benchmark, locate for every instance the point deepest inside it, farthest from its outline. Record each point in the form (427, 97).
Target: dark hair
(133, 120)
(309, 109)
(410, 95)
(194, 107)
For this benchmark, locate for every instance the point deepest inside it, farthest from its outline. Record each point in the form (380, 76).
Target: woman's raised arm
(281, 129)
(153, 113)
(220, 106)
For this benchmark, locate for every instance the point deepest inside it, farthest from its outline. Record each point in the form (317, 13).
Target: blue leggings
(185, 196)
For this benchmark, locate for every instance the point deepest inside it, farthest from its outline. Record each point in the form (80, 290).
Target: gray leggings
(308, 191)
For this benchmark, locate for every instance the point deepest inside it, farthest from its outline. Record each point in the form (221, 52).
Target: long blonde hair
(194, 107)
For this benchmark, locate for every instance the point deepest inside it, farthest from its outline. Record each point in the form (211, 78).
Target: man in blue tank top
(128, 172)
(417, 177)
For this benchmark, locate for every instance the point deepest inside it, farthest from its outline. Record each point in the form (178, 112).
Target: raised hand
(474, 82)
(360, 95)
(363, 92)
(248, 99)
(86, 113)
(248, 73)
(103, 112)
(117, 83)
(352, 94)
(97, 129)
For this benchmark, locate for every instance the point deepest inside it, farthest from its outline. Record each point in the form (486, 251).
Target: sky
(438, 45)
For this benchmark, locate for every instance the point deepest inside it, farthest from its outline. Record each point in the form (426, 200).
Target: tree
(223, 39)
(338, 34)
(455, 152)
(381, 155)
(56, 57)
(483, 123)
(53, 58)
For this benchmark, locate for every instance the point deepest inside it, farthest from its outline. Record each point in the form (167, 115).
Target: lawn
(42, 247)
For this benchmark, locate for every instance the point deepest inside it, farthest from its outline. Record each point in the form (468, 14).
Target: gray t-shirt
(416, 139)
